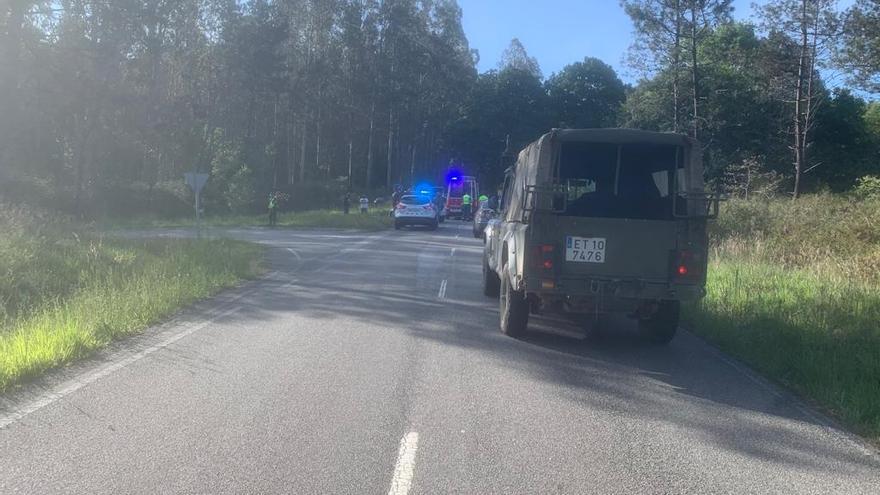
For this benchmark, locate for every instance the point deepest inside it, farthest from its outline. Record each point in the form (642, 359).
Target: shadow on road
(683, 385)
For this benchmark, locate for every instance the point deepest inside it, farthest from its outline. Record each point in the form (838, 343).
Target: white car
(416, 210)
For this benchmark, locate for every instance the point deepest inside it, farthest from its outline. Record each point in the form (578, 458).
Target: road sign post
(196, 181)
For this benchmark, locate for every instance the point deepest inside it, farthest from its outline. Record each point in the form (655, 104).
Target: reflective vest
(466, 200)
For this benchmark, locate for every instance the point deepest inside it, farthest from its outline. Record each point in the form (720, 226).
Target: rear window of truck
(620, 181)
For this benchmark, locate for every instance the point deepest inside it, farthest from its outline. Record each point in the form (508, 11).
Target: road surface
(371, 363)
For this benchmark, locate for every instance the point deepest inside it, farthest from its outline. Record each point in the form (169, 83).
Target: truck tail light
(685, 265)
(544, 256)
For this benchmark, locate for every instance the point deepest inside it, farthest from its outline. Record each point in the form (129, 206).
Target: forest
(104, 105)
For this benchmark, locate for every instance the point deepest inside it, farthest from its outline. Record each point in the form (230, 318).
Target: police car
(416, 210)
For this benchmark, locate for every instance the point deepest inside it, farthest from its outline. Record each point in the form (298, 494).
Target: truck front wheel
(661, 327)
(514, 308)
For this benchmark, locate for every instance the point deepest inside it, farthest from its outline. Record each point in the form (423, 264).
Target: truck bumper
(590, 295)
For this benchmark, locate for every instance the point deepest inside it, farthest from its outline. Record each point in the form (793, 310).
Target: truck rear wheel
(662, 326)
(514, 308)
(491, 282)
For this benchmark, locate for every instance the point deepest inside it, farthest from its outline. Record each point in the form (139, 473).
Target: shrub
(868, 187)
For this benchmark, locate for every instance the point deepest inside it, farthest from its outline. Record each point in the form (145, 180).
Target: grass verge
(331, 219)
(87, 291)
(793, 291)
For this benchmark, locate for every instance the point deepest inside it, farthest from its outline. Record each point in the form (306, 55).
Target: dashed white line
(452, 253)
(401, 482)
(81, 381)
(442, 293)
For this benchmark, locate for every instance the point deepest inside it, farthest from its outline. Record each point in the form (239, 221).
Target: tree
(740, 117)
(658, 43)
(511, 102)
(665, 29)
(813, 26)
(586, 94)
(516, 57)
(861, 44)
(844, 148)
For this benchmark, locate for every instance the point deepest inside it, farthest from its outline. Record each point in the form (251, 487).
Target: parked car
(416, 210)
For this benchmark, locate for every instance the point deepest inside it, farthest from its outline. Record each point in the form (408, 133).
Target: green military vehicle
(600, 221)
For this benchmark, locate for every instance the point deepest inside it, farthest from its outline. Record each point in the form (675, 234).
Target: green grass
(68, 292)
(794, 290)
(377, 219)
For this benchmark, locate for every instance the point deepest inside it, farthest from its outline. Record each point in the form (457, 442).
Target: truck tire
(514, 308)
(396, 225)
(491, 282)
(660, 329)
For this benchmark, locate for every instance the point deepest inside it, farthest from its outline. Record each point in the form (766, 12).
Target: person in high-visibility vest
(466, 207)
(483, 201)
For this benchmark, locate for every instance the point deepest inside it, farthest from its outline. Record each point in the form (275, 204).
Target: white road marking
(401, 482)
(452, 253)
(442, 293)
(295, 254)
(81, 381)
(76, 383)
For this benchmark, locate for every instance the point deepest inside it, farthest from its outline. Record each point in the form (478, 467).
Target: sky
(558, 32)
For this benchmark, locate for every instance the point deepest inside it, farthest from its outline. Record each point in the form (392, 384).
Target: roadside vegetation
(794, 290)
(66, 292)
(377, 219)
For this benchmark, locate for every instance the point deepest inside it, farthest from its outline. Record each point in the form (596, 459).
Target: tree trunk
(412, 165)
(302, 149)
(370, 146)
(694, 75)
(810, 98)
(290, 131)
(9, 83)
(799, 97)
(318, 142)
(676, 68)
(275, 151)
(12, 42)
(389, 174)
(350, 161)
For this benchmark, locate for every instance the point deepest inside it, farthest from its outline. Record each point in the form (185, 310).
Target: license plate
(585, 249)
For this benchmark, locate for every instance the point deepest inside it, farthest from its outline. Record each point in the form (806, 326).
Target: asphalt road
(371, 363)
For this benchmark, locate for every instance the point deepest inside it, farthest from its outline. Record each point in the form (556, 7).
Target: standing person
(346, 200)
(365, 204)
(395, 198)
(484, 201)
(466, 201)
(273, 209)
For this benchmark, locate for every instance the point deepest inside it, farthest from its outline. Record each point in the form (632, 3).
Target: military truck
(600, 221)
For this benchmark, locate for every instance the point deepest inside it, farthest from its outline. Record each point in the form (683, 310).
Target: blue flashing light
(423, 189)
(454, 175)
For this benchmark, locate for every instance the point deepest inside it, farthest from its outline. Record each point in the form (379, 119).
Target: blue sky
(557, 32)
